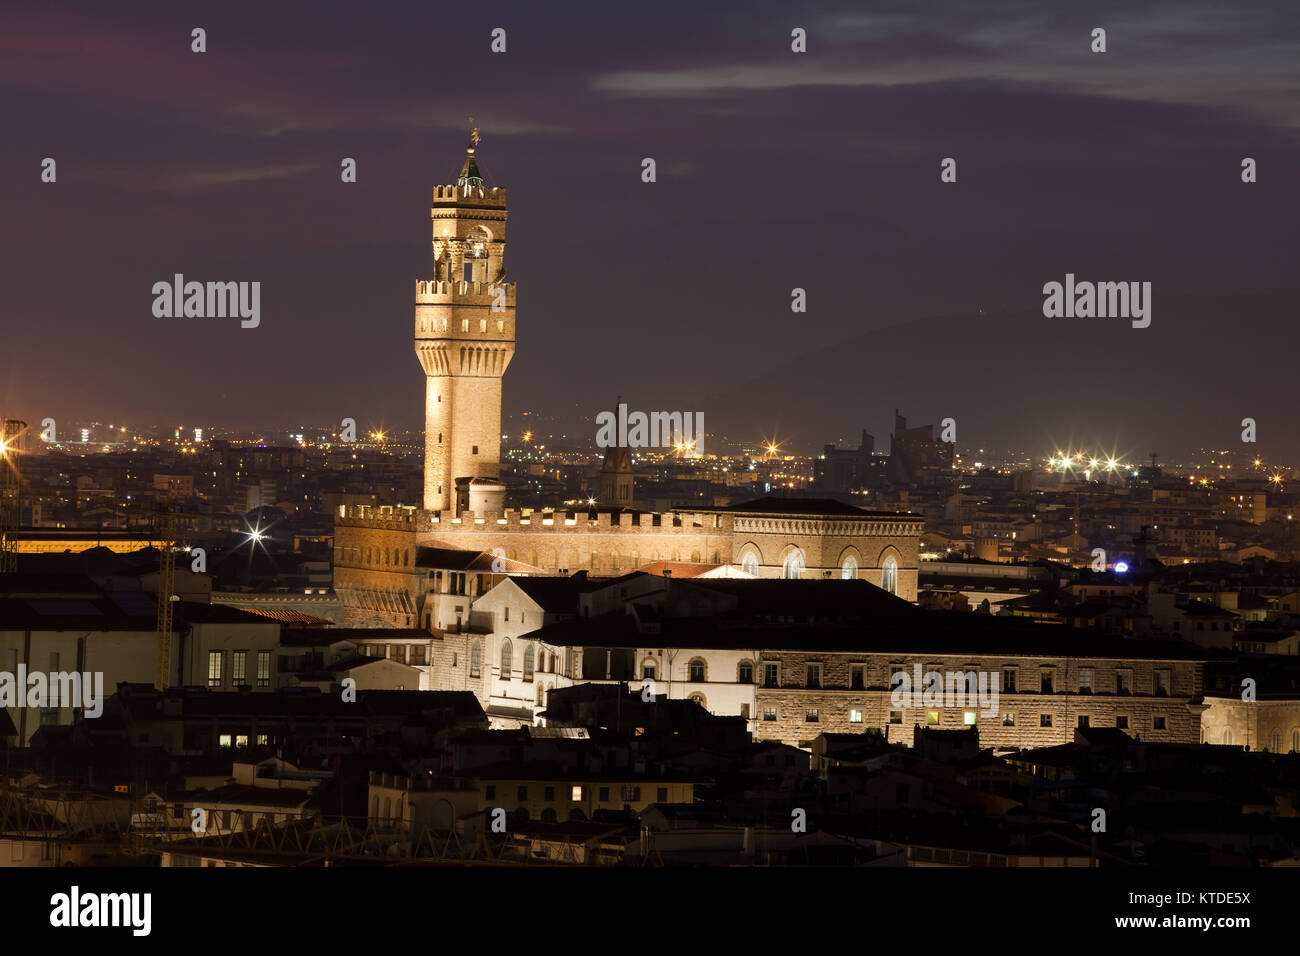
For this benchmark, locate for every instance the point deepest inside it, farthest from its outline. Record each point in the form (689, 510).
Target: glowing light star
(1121, 567)
(1111, 464)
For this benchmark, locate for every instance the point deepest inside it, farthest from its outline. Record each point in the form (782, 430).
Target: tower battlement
(445, 292)
(469, 196)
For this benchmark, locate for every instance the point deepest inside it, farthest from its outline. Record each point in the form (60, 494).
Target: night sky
(776, 170)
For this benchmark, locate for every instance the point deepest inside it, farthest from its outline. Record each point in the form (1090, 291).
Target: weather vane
(473, 132)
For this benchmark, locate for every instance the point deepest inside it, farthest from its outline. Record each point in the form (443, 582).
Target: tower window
(474, 450)
(482, 325)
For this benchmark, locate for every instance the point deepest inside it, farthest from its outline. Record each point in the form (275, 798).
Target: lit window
(855, 716)
(969, 718)
(932, 718)
(577, 793)
(794, 566)
(889, 575)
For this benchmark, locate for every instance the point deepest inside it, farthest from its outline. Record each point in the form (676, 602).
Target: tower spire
(616, 474)
(469, 173)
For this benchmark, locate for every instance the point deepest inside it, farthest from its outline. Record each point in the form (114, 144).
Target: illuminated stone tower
(464, 336)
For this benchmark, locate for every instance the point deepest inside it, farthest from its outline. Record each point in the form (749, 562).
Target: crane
(10, 488)
(162, 673)
(168, 518)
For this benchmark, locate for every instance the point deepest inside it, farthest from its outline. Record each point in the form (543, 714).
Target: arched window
(539, 695)
(794, 566)
(750, 564)
(507, 653)
(1227, 736)
(475, 658)
(849, 569)
(548, 815)
(648, 669)
(1275, 742)
(699, 699)
(889, 575)
(530, 655)
(696, 671)
(1295, 741)
(695, 557)
(613, 561)
(745, 673)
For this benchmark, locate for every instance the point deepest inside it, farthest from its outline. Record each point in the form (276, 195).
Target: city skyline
(934, 288)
